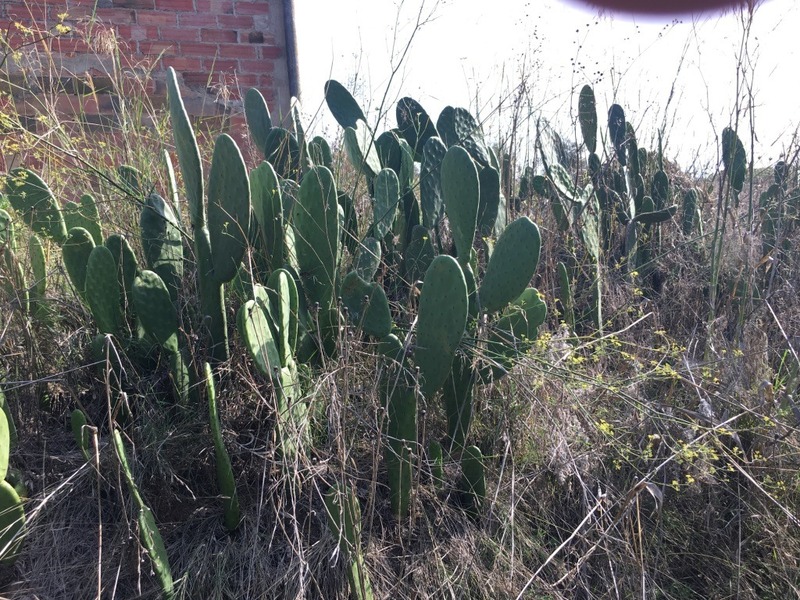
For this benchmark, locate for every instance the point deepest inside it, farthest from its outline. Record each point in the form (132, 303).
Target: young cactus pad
(225, 479)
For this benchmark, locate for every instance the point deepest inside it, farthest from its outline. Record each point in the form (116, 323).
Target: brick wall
(219, 48)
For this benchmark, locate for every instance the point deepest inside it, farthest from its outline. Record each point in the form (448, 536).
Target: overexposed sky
(677, 74)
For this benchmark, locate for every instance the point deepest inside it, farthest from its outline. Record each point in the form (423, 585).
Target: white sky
(474, 53)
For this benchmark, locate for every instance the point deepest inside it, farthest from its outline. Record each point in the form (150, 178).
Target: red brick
(135, 4)
(257, 66)
(216, 7)
(162, 19)
(195, 78)
(136, 33)
(266, 81)
(115, 16)
(178, 34)
(219, 35)
(271, 52)
(246, 81)
(237, 51)
(251, 8)
(155, 48)
(197, 20)
(179, 5)
(198, 49)
(220, 64)
(182, 63)
(17, 12)
(235, 22)
(68, 45)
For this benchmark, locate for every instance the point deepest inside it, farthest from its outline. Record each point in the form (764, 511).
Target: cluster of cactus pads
(290, 241)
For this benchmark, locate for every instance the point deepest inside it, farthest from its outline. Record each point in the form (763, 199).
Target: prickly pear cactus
(258, 118)
(344, 521)
(461, 192)
(441, 321)
(30, 196)
(473, 482)
(512, 265)
(587, 116)
(225, 478)
(102, 290)
(316, 228)
(76, 250)
(367, 305)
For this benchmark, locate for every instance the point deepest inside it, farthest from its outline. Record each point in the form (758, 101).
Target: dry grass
(660, 461)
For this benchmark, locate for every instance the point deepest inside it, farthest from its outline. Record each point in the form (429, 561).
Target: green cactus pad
(587, 115)
(188, 152)
(616, 129)
(473, 482)
(387, 199)
(268, 210)
(125, 259)
(84, 215)
(161, 242)
(461, 193)
(225, 478)
(320, 152)
(436, 463)
(361, 150)
(284, 306)
(660, 189)
(102, 290)
(30, 196)
(734, 158)
(401, 440)
(5, 444)
(489, 205)
(342, 105)
(369, 258)
(457, 126)
(655, 216)
(38, 267)
(12, 523)
(344, 521)
(457, 397)
(148, 530)
(283, 152)
(254, 326)
(155, 309)
(391, 348)
(80, 432)
(689, 211)
(258, 118)
(76, 251)
(419, 254)
(415, 125)
(228, 208)
(430, 182)
(7, 239)
(12, 429)
(565, 295)
(367, 305)
(441, 321)
(512, 265)
(316, 227)
(511, 335)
